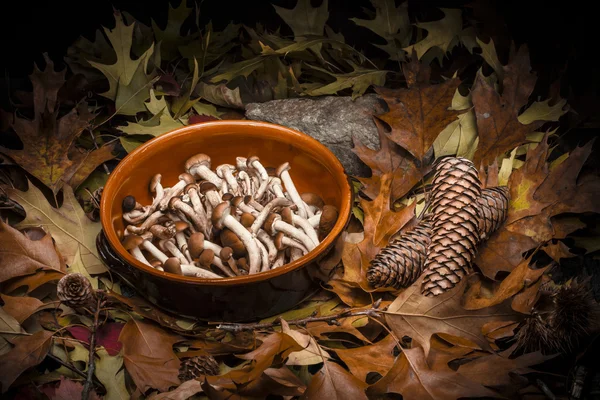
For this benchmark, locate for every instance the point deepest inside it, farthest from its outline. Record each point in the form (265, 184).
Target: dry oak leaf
(48, 151)
(334, 382)
(21, 307)
(311, 353)
(273, 381)
(20, 255)
(497, 114)
(476, 297)
(419, 113)
(377, 357)
(419, 317)
(11, 328)
(539, 191)
(32, 282)
(72, 231)
(389, 159)
(414, 378)
(380, 223)
(67, 390)
(28, 351)
(148, 355)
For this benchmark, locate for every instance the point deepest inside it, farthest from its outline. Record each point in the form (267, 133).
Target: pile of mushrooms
(234, 220)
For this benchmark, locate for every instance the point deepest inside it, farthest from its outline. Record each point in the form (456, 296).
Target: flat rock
(332, 120)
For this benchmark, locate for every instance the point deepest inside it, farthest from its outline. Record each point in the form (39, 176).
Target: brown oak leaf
(419, 113)
(49, 152)
(332, 382)
(20, 307)
(377, 357)
(20, 255)
(419, 317)
(498, 128)
(148, 355)
(414, 378)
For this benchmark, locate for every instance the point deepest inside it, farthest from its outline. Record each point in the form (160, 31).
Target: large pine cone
(75, 290)
(455, 214)
(400, 263)
(193, 367)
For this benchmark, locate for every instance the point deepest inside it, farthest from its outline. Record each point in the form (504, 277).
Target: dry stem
(92, 365)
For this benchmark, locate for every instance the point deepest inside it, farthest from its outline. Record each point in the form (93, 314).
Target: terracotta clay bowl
(313, 169)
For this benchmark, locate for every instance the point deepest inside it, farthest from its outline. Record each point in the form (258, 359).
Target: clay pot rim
(300, 139)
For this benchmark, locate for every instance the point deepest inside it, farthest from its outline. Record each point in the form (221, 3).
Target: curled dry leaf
(378, 357)
(66, 390)
(148, 355)
(8, 324)
(311, 353)
(20, 255)
(27, 352)
(21, 307)
(334, 382)
(110, 371)
(419, 317)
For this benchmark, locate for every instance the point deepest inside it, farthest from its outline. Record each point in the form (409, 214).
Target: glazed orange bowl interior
(314, 168)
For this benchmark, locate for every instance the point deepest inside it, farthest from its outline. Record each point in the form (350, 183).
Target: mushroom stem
(152, 249)
(279, 226)
(175, 190)
(275, 186)
(225, 171)
(285, 177)
(295, 253)
(137, 253)
(245, 178)
(174, 250)
(264, 257)
(199, 166)
(248, 199)
(286, 241)
(279, 260)
(176, 204)
(198, 208)
(306, 227)
(268, 242)
(219, 264)
(262, 216)
(192, 270)
(314, 221)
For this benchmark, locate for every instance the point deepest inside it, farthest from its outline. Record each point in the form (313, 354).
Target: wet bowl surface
(314, 168)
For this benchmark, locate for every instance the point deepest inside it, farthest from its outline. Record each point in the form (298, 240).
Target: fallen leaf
(27, 352)
(8, 324)
(171, 37)
(391, 23)
(129, 82)
(220, 95)
(72, 231)
(419, 113)
(378, 357)
(21, 307)
(413, 378)
(542, 111)
(334, 382)
(359, 80)
(32, 282)
(419, 317)
(48, 151)
(180, 105)
(148, 355)
(273, 382)
(521, 277)
(20, 255)
(67, 390)
(304, 19)
(459, 138)
(488, 52)
(110, 371)
(440, 33)
(183, 392)
(107, 336)
(311, 352)
(497, 114)
(390, 158)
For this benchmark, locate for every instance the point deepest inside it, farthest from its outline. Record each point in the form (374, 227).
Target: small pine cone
(75, 290)
(494, 209)
(400, 263)
(193, 367)
(455, 219)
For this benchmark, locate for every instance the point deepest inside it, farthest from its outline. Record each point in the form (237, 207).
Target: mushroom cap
(197, 160)
(226, 253)
(173, 266)
(230, 239)
(154, 182)
(278, 241)
(132, 241)
(327, 221)
(206, 258)
(181, 226)
(196, 244)
(207, 186)
(286, 215)
(128, 203)
(222, 168)
(250, 160)
(189, 187)
(247, 219)
(282, 168)
(248, 198)
(186, 177)
(163, 232)
(269, 222)
(240, 163)
(235, 201)
(174, 200)
(243, 264)
(155, 263)
(312, 199)
(227, 197)
(220, 213)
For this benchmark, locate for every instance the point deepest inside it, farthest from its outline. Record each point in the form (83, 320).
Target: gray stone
(332, 120)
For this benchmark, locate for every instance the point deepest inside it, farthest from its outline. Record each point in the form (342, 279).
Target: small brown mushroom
(327, 221)
(206, 258)
(284, 175)
(210, 190)
(173, 266)
(184, 180)
(226, 255)
(247, 219)
(166, 231)
(132, 244)
(274, 224)
(196, 245)
(313, 201)
(199, 165)
(128, 203)
(230, 239)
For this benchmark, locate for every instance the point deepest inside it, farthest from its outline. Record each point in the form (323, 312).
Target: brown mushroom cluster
(234, 220)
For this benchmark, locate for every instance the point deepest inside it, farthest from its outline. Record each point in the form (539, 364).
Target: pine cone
(494, 209)
(455, 224)
(193, 367)
(400, 263)
(75, 290)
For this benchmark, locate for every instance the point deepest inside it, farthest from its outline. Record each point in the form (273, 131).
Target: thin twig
(76, 370)
(91, 364)
(330, 319)
(14, 333)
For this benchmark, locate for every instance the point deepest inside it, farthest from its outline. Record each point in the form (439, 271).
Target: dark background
(561, 36)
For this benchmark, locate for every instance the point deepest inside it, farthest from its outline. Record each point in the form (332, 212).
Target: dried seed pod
(75, 290)
(193, 367)
(494, 209)
(455, 214)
